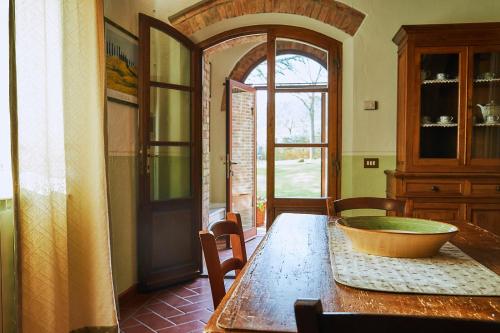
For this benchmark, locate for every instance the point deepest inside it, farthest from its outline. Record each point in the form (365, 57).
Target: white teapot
(490, 109)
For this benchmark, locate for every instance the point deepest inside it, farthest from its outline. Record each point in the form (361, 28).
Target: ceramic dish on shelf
(399, 237)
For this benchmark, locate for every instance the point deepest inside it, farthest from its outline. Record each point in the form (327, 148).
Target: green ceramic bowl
(396, 236)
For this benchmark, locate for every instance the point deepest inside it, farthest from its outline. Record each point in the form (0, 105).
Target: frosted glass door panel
(169, 115)
(170, 61)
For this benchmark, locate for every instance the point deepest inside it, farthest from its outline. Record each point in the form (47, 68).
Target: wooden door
(170, 178)
(241, 154)
(486, 216)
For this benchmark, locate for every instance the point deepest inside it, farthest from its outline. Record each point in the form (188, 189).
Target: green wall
(122, 173)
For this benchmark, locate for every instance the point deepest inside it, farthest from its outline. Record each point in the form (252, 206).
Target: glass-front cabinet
(485, 105)
(448, 123)
(440, 87)
(457, 107)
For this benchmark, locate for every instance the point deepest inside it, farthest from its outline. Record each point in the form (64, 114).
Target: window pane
(292, 68)
(258, 76)
(298, 172)
(170, 60)
(486, 102)
(170, 115)
(439, 91)
(299, 117)
(170, 173)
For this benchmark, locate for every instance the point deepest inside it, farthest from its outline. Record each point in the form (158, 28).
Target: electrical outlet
(370, 105)
(370, 163)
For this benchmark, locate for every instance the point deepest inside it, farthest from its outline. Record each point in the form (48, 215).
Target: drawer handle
(498, 188)
(434, 188)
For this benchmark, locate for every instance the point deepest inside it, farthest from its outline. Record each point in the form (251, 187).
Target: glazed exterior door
(241, 154)
(170, 177)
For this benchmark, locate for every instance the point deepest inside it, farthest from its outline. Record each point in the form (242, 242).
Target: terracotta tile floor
(181, 308)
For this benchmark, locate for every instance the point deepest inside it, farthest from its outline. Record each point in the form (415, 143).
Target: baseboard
(128, 294)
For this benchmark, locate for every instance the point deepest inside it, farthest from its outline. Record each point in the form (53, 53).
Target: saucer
(492, 122)
(445, 123)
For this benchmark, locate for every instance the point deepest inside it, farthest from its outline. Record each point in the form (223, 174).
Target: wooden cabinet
(448, 136)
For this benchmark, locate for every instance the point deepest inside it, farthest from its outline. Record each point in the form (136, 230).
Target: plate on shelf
(438, 124)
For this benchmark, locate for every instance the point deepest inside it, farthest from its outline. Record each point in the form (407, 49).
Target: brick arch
(208, 12)
(258, 54)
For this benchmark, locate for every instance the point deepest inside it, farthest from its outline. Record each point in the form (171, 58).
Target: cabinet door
(438, 118)
(445, 212)
(486, 216)
(484, 106)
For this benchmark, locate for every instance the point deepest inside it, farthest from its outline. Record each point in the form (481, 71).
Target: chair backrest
(334, 207)
(310, 318)
(217, 270)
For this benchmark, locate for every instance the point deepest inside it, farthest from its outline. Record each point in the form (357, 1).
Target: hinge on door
(148, 159)
(336, 62)
(336, 164)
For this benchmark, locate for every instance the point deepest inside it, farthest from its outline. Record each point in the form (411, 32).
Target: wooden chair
(310, 318)
(334, 207)
(217, 270)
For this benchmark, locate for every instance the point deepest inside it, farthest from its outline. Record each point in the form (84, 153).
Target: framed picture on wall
(122, 57)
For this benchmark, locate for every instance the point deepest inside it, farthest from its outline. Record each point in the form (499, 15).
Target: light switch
(370, 105)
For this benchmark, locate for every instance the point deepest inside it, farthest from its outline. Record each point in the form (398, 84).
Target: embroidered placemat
(451, 272)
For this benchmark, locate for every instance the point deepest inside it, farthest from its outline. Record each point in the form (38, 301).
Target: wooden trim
(271, 82)
(160, 25)
(120, 101)
(301, 145)
(170, 143)
(119, 27)
(157, 84)
(127, 295)
(292, 32)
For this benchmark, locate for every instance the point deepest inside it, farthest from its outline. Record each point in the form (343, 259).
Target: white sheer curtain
(61, 200)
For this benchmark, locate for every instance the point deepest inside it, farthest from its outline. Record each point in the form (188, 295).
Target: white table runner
(451, 272)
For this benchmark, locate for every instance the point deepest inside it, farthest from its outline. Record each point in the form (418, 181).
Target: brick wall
(205, 138)
(205, 13)
(243, 152)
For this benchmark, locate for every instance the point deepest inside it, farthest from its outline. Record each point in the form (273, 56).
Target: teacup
(445, 119)
(426, 120)
(441, 76)
(492, 119)
(488, 75)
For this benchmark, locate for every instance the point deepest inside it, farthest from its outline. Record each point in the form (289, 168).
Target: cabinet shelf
(440, 125)
(487, 80)
(432, 82)
(487, 125)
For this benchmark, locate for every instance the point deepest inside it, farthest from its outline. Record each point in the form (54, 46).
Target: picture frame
(122, 58)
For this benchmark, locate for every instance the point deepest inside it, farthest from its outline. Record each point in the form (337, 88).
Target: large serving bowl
(399, 237)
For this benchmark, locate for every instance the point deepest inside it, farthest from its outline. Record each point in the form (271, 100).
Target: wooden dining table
(293, 262)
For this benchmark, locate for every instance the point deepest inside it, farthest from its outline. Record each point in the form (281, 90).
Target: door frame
(230, 84)
(149, 279)
(334, 47)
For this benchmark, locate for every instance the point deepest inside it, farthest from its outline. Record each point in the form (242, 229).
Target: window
(301, 122)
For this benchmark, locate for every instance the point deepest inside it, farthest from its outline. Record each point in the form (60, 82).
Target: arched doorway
(303, 167)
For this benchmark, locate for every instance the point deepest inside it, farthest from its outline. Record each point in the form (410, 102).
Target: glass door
(440, 95)
(485, 106)
(169, 210)
(241, 154)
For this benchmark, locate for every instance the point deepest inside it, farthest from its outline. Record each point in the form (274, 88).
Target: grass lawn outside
(294, 179)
